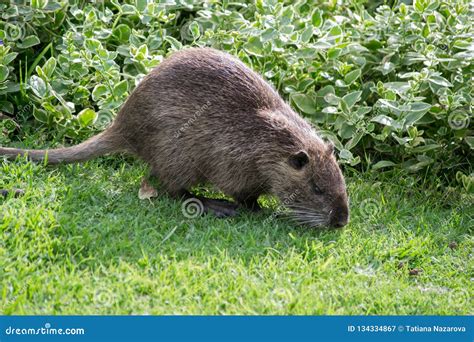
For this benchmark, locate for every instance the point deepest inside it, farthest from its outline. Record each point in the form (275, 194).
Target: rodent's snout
(339, 215)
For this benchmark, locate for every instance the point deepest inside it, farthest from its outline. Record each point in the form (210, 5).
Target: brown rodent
(202, 116)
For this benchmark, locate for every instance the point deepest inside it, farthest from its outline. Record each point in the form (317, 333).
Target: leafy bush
(392, 87)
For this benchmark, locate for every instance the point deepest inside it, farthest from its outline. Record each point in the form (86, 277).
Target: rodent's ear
(298, 160)
(330, 146)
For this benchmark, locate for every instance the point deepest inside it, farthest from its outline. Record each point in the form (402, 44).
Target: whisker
(304, 215)
(308, 218)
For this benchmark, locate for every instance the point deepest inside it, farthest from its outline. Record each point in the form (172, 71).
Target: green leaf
(287, 30)
(332, 99)
(352, 98)
(321, 100)
(325, 134)
(121, 89)
(363, 110)
(38, 86)
(307, 52)
(195, 29)
(9, 57)
(373, 44)
(39, 4)
(307, 34)
(383, 163)
(441, 81)
(412, 132)
(142, 52)
(3, 73)
(99, 91)
(49, 66)
(329, 110)
(345, 154)
(392, 106)
(386, 68)
(321, 45)
(470, 141)
(416, 112)
(175, 44)
(345, 108)
(384, 120)
(81, 94)
(40, 115)
(304, 102)
(354, 140)
(122, 33)
(347, 131)
(9, 87)
(128, 9)
(40, 72)
(269, 34)
(414, 166)
(141, 5)
(462, 44)
(336, 31)
(6, 106)
(29, 42)
(426, 31)
(254, 46)
(333, 53)
(432, 5)
(425, 148)
(419, 5)
(398, 87)
(86, 117)
(352, 76)
(286, 16)
(92, 44)
(317, 18)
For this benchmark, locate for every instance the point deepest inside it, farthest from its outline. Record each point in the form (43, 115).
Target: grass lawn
(81, 242)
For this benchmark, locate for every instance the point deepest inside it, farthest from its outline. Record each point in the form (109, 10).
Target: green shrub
(392, 87)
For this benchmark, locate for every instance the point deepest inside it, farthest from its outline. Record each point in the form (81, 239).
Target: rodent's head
(312, 187)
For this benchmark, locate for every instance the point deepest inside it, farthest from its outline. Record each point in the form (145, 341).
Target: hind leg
(249, 202)
(170, 188)
(16, 193)
(194, 205)
(217, 207)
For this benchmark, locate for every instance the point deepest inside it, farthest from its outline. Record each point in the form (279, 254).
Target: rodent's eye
(317, 190)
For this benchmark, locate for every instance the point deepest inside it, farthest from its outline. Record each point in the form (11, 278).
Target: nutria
(202, 116)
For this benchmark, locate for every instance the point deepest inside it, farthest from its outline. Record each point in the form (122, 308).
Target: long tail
(96, 146)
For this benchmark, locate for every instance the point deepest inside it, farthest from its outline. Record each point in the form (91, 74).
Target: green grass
(81, 242)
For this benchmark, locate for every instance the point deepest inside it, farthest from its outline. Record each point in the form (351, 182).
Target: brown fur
(202, 116)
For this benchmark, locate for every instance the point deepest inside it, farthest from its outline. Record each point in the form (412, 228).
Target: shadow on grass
(102, 221)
